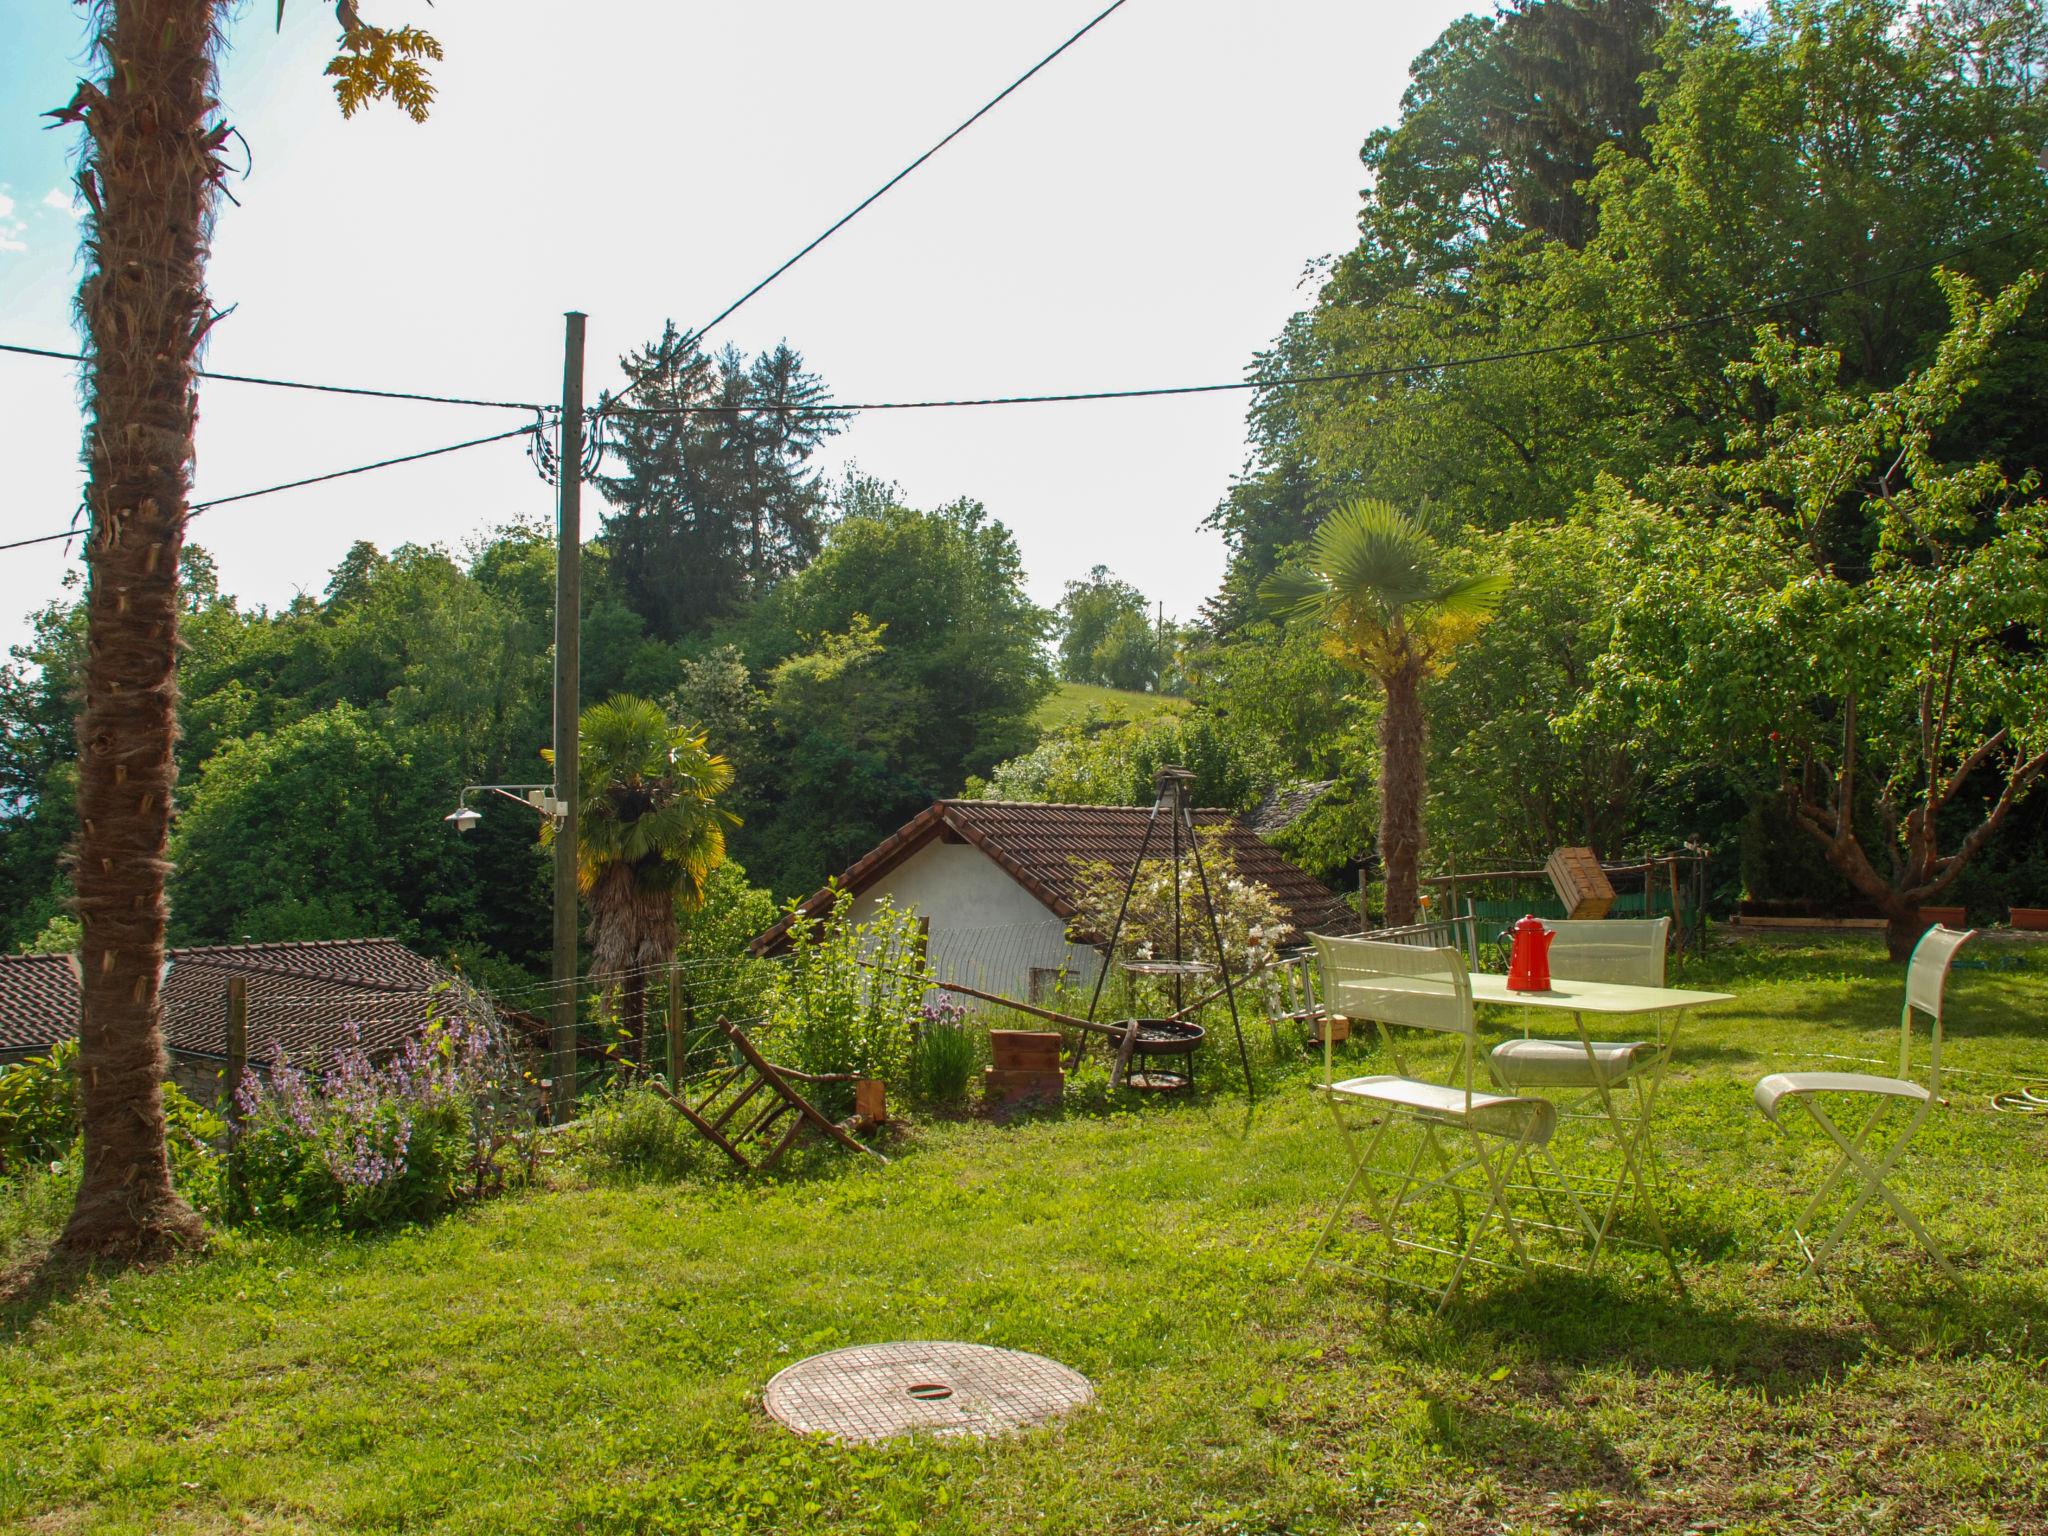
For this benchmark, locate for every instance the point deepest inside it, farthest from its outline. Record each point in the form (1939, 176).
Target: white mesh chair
(1292, 1000)
(1926, 976)
(1610, 1082)
(1405, 987)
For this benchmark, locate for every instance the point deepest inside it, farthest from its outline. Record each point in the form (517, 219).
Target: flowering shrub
(1248, 915)
(363, 1143)
(942, 1052)
(845, 1001)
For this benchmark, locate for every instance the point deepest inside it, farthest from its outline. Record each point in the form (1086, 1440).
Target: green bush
(635, 1130)
(846, 999)
(38, 1108)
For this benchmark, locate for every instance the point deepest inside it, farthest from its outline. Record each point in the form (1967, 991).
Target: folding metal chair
(1613, 1083)
(1291, 999)
(1926, 977)
(1403, 986)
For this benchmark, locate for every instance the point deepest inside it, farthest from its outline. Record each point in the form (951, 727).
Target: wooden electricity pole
(568, 686)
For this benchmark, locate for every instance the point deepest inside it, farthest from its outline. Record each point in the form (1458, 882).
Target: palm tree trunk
(149, 177)
(1404, 737)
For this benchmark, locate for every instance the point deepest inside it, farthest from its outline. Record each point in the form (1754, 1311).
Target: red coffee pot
(1529, 960)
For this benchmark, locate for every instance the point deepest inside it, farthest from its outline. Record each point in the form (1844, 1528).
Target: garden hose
(2030, 1098)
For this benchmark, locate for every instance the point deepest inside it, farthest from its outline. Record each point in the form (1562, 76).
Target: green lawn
(587, 1357)
(1071, 703)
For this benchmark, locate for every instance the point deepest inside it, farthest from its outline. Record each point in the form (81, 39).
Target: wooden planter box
(2030, 919)
(1948, 917)
(1337, 1027)
(1027, 1066)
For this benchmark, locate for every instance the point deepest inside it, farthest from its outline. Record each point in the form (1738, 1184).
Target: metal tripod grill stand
(1171, 785)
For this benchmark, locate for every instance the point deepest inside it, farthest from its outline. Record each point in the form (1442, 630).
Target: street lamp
(538, 798)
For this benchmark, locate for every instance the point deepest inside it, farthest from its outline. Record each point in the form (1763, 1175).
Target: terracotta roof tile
(302, 997)
(1039, 845)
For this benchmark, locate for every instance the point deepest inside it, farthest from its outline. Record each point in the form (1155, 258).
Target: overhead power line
(865, 203)
(1607, 339)
(323, 389)
(1340, 376)
(292, 485)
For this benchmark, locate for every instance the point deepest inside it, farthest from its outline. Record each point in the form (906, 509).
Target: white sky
(1139, 213)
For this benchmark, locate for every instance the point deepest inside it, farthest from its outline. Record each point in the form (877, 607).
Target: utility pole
(568, 688)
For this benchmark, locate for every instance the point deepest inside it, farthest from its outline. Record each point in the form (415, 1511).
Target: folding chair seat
(1789, 1085)
(1540, 1064)
(1623, 950)
(1404, 986)
(1493, 1114)
(1926, 982)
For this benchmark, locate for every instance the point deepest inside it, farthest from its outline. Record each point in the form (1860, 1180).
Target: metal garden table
(1606, 999)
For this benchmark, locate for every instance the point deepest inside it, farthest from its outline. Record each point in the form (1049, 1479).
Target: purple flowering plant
(359, 1142)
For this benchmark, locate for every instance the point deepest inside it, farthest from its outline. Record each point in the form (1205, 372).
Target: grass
(588, 1357)
(1072, 703)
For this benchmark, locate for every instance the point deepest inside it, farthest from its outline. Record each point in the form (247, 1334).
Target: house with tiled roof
(1000, 883)
(305, 998)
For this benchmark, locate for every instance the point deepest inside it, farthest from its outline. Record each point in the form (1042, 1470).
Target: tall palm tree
(151, 172)
(649, 835)
(150, 175)
(1378, 579)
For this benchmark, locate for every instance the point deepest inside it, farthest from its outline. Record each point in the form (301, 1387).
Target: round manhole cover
(874, 1391)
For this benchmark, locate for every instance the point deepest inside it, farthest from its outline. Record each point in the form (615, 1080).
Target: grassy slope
(1071, 702)
(588, 1359)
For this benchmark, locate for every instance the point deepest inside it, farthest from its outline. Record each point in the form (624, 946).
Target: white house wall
(986, 930)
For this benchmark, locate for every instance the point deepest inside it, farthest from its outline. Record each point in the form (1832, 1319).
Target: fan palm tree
(1378, 579)
(649, 834)
(154, 157)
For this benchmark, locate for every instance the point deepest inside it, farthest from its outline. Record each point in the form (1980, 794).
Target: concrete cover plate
(875, 1391)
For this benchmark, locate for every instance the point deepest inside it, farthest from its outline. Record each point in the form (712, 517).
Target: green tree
(965, 644)
(326, 827)
(1384, 586)
(1089, 611)
(1898, 701)
(1514, 772)
(650, 832)
(716, 501)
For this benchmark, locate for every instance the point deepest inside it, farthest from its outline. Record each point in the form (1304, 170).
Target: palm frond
(1471, 596)
(1294, 590)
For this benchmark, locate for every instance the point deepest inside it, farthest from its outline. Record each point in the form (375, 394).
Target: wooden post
(238, 1067)
(568, 686)
(675, 1022)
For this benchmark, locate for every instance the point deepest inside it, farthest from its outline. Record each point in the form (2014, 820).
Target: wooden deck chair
(1612, 1083)
(1407, 987)
(753, 1104)
(1926, 979)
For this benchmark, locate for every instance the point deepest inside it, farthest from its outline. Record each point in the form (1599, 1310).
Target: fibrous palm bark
(150, 177)
(1404, 746)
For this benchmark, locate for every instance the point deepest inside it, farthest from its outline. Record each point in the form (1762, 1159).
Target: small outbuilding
(305, 998)
(999, 881)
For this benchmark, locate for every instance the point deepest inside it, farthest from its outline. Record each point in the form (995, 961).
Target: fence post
(675, 1021)
(238, 1067)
